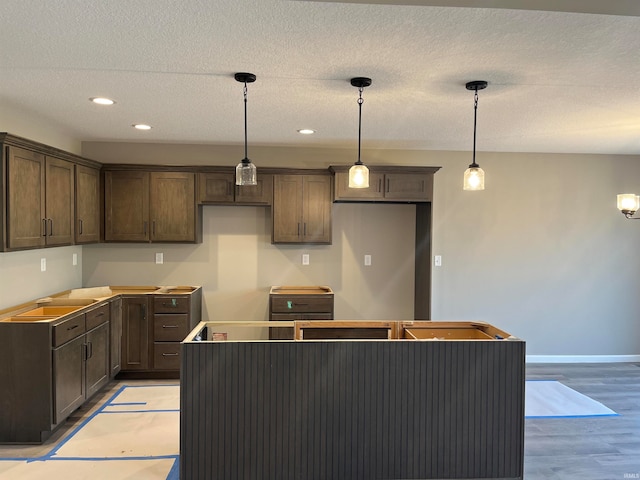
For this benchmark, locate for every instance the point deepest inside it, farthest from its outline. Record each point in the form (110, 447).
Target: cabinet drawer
(97, 316)
(296, 304)
(170, 327)
(68, 330)
(166, 356)
(170, 304)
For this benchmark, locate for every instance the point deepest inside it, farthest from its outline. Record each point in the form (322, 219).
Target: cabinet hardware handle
(44, 227)
(144, 228)
(298, 228)
(89, 350)
(81, 225)
(387, 191)
(51, 227)
(72, 327)
(170, 354)
(305, 229)
(379, 185)
(154, 228)
(144, 312)
(300, 304)
(172, 305)
(422, 185)
(169, 326)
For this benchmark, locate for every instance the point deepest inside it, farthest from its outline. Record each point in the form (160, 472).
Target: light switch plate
(74, 259)
(437, 260)
(159, 258)
(43, 264)
(367, 260)
(305, 259)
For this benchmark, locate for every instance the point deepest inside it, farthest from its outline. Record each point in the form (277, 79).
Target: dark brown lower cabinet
(49, 369)
(135, 333)
(153, 326)
(115, 336)
(80, 369)
(68, 377)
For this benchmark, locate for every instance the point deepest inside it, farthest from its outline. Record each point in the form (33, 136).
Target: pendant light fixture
(245, 170)
(359, 173)
(474, 175)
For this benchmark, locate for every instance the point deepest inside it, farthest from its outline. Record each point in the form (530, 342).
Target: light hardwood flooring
(596, 448)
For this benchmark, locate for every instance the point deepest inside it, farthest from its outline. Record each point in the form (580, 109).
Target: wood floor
(596, 448)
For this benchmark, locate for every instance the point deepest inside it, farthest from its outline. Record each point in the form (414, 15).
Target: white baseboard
(582, 358)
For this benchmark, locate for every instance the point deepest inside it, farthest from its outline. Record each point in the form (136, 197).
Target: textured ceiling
(558, 81)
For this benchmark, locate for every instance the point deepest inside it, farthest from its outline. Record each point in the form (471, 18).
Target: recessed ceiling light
(306, 131)
(141, 126)
(102, 100)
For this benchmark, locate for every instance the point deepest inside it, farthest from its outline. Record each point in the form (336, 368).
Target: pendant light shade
(359, 173)
(245, 170)
(474, 175)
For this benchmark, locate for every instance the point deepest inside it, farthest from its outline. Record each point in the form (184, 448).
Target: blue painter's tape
(174, 473)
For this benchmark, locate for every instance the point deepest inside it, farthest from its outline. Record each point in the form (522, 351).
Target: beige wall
(236, 263)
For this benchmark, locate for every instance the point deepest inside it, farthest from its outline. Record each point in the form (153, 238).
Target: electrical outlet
(437, 260)
(159, 258)
(74, 259)
(305, 259)
(367, 260)
(43, 264)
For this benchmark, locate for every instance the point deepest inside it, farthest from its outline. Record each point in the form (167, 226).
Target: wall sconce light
(359, 173)
(474, 175)
(245, 170)
(628, 204)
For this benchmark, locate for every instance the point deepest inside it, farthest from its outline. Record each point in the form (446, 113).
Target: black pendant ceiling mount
(359, 173)
(474, 175)
(245, 170)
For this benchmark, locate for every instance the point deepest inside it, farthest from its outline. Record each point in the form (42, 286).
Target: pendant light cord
(360, 102)
(245, 122)
(475, 118)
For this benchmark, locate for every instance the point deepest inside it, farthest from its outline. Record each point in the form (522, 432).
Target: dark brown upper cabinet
(150, 206)
(219, 188)
(87, 228)
(386, 184)
(40, 200)
(301, 209)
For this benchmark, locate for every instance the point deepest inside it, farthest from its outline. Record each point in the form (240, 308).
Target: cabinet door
(135, 333)
(215, 187)
(375, 191)
(25, 198)
(260, 194)
(59, 201)
(97, 363)
(287, 209)
(126, 206)
(115, 336)
(68, 378)
(173, 207)
(316, 208)
(87, 201)
(407, 186)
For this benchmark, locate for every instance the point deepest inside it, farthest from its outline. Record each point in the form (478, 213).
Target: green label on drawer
(174, 302)
(289, 304)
